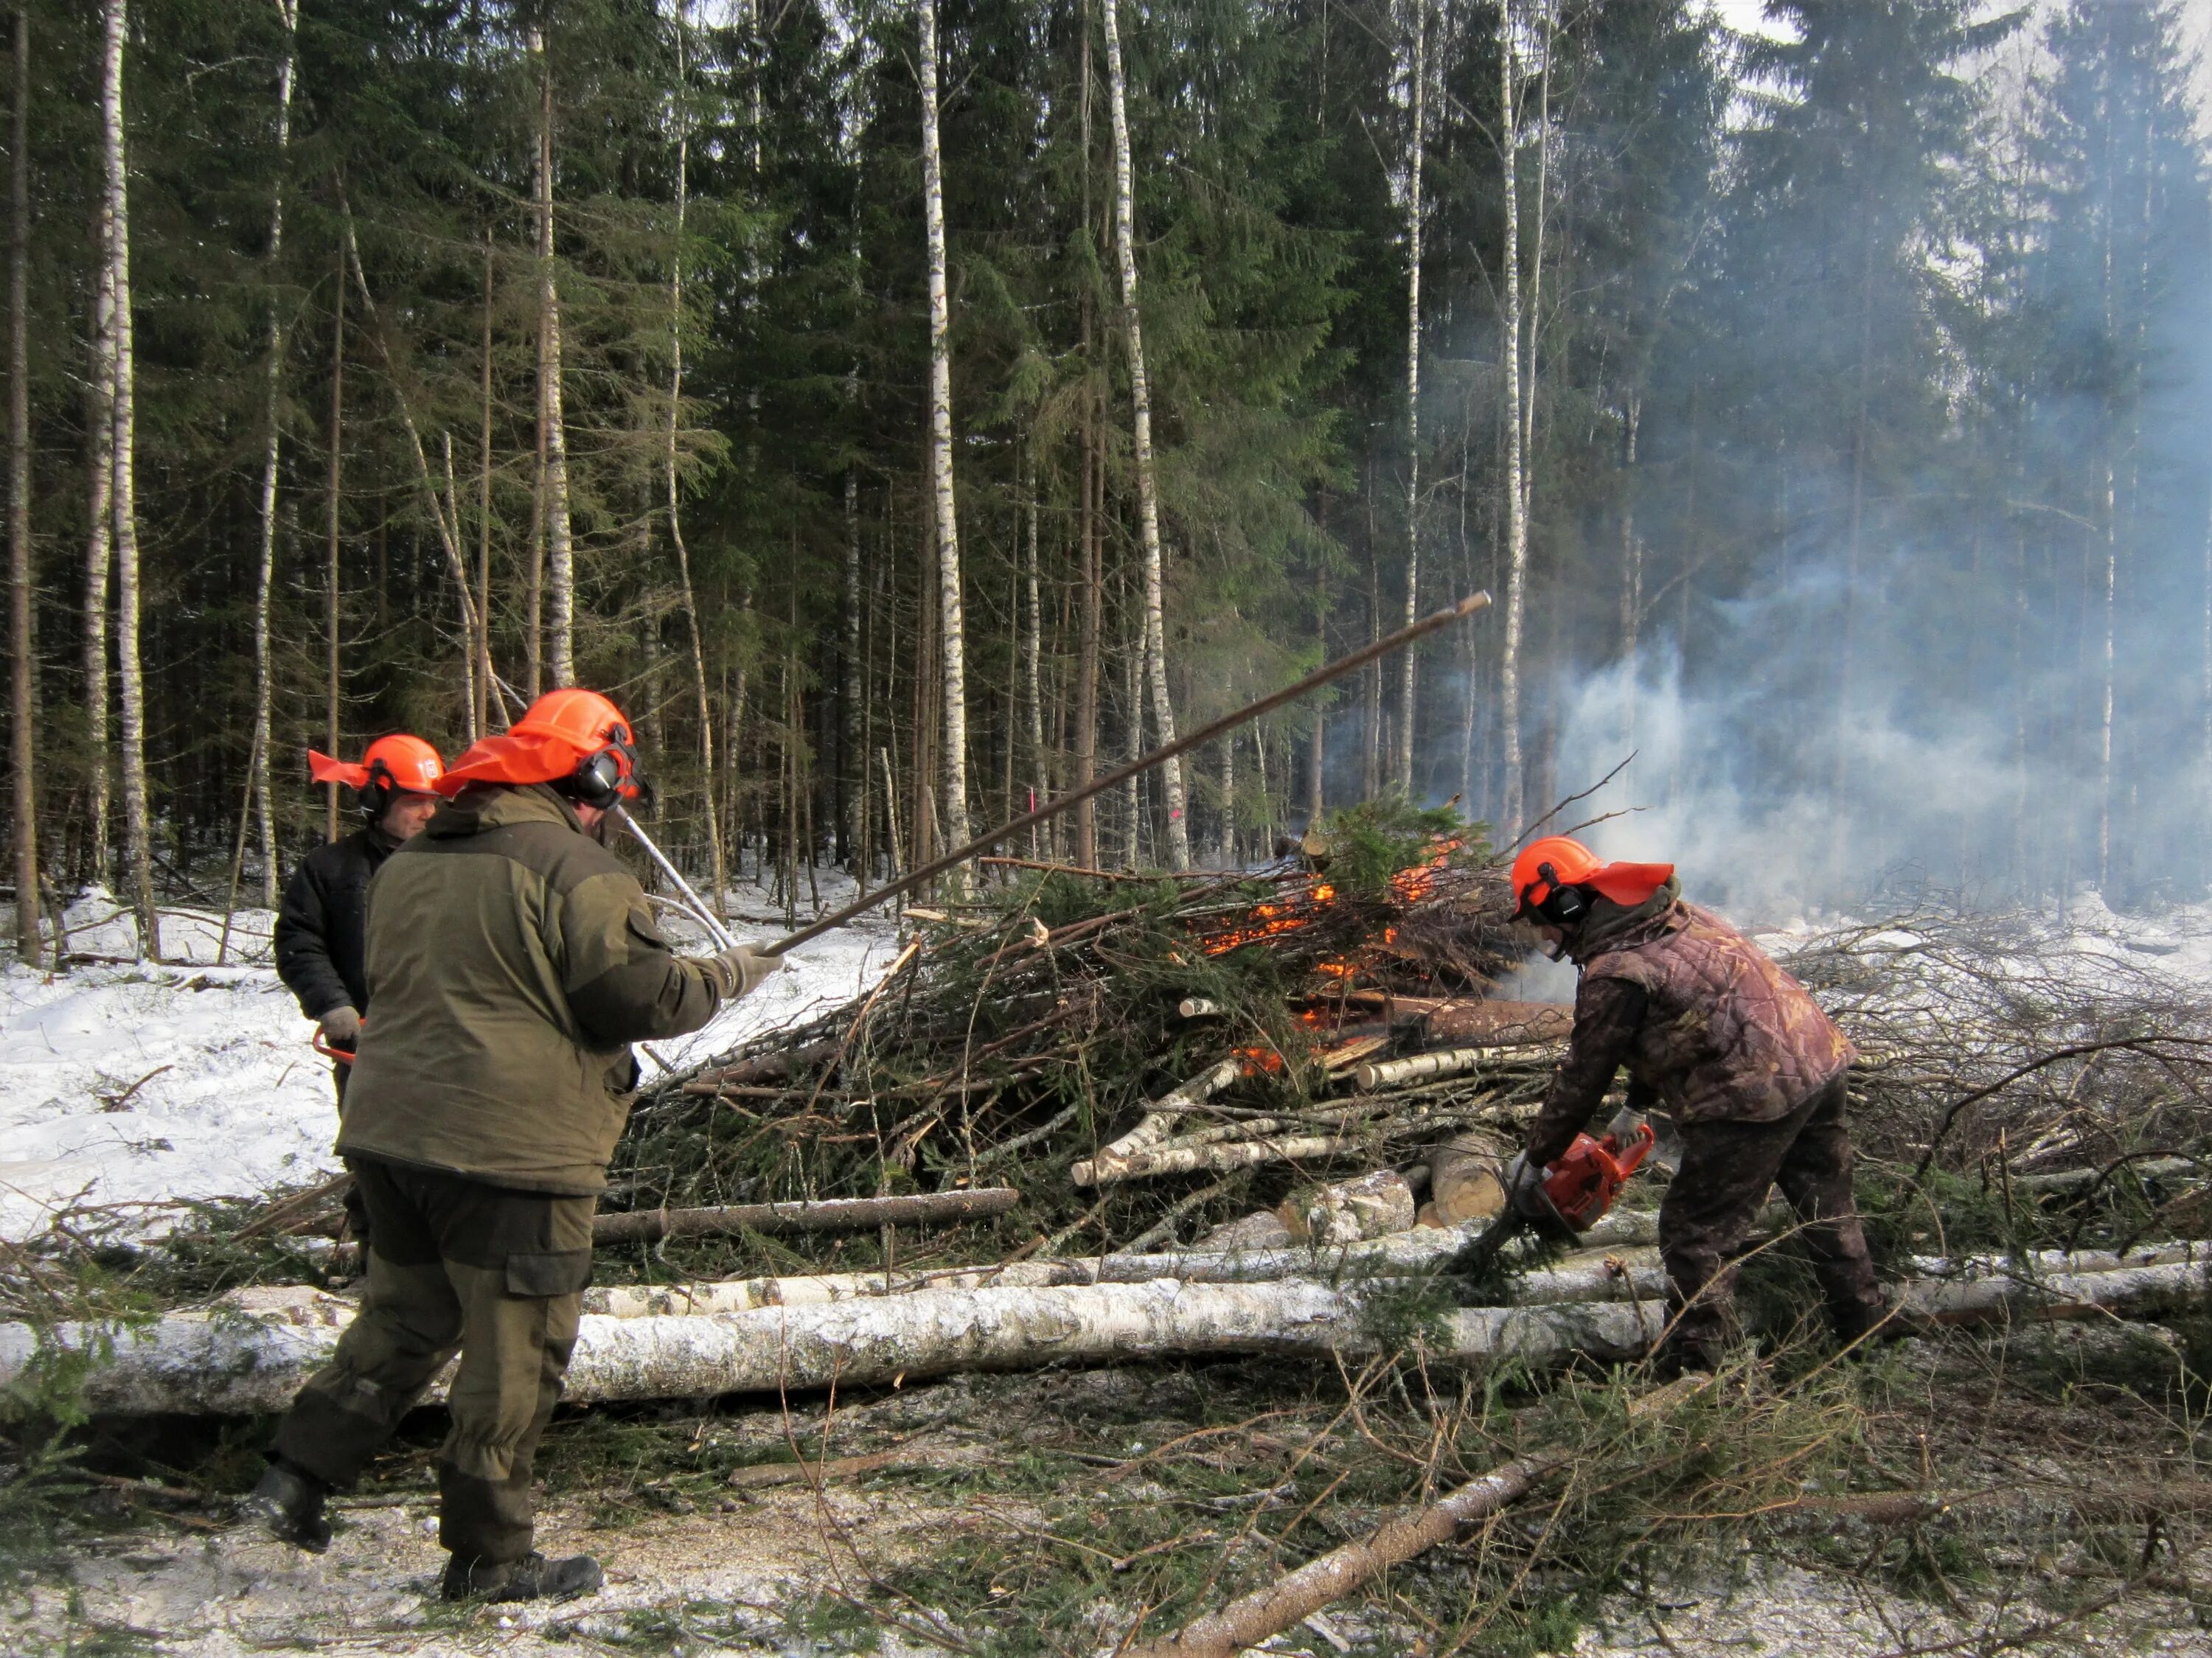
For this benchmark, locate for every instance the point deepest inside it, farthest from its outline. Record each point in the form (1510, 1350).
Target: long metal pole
(697, 907)
(1205, 734)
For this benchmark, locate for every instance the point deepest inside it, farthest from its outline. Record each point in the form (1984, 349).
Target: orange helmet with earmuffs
(575, 739)
(398, 764)
(1554, 877)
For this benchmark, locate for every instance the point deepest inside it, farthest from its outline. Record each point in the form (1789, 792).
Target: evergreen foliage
(1865, 381)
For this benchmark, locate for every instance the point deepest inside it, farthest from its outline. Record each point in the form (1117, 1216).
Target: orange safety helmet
(572, 737)
(1550, 876)
(398, 764)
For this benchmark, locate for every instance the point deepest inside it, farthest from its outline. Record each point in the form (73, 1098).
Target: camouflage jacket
(1702, 1019)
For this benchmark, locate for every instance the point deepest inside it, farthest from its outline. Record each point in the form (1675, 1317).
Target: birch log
(1140, 399)
(831, 1215)
(229, 1361)
(1289, 1600)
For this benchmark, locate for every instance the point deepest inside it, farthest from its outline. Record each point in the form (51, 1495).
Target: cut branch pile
(1074, 1037)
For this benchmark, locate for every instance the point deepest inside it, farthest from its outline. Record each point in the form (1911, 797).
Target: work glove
(1525, 1188)
(742, 969)
(341, 1027)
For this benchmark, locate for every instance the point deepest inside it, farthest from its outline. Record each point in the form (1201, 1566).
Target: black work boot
(287, 1503)
(533, 1577)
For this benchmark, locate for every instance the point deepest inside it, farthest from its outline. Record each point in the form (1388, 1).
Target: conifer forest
(908, 411)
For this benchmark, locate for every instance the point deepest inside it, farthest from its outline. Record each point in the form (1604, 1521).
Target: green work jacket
(511, 962)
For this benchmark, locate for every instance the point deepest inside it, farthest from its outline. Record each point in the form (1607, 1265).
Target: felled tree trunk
(228, 1362)
(831, 1215)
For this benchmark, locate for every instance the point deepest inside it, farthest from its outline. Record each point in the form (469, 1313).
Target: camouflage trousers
(1727, 1170)
(454, 1265)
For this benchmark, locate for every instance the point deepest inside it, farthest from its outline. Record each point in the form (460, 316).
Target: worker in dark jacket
(512, 963)
(1750, 1067)
(322, 928)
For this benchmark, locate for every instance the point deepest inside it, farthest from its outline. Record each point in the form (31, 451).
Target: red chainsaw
(1576, 1193)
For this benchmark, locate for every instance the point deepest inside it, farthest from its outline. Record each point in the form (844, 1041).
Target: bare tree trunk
(1409, 664)
(1140, 395)
(705, 706)
(265, 570)
(485, 691)
(1632, 563)
(23, 683)
(1093, 487)
(1510, 809)
(334, 479)
(1088, 631)
(1033, 646)
(953, 811)
(852, 693)
(99, 539)
(560, 549)
(137, 824)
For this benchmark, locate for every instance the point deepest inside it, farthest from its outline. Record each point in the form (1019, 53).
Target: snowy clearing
(128, 1083)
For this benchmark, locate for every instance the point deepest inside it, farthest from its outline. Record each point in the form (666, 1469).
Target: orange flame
(1258, 1061)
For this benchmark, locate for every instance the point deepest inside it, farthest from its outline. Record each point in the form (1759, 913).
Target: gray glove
(341, 1027)
(1525, 1188)
(744, 969)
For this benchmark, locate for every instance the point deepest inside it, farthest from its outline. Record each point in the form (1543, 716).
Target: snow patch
(139, 1085)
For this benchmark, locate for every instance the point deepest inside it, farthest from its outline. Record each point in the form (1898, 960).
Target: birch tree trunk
(705, 706)
(265, 570)
(851, 754)
(137, 824)
(560, 548)
(333, 481)
(1510, 808)
(1033, 649)
(1140, 397)
(23, 686)
(1409, 659)
(952, 813)
(485, 691)
(100, 538)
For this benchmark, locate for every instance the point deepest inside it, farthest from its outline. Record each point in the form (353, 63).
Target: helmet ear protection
(608, 777)
(1562, 906)
(376, 795)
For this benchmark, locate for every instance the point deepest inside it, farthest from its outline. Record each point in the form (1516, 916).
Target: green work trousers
(453, 1264)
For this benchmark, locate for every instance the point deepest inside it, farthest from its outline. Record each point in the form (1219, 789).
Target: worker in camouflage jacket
(511, 962)
(1749, 1066)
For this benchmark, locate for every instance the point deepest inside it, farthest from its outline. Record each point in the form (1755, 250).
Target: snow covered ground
(129, 1084)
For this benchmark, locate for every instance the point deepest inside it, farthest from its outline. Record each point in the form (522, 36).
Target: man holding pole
(513, 961)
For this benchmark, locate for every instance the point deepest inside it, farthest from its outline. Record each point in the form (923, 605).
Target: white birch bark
(560, 546)
(953, 825)
(131, 682)
(273, 379)
(1140, 397)
(23, 685)
(1033, 650)
(1409, 659)
(1511, 808)
(705, 706)
(239, 1359)
(99, 539)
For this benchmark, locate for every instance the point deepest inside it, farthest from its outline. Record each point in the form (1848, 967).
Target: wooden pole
(1144, 762)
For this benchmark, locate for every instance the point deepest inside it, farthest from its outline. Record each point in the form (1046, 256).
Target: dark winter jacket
(512, 961)
(322, 930)
(1702, 1018)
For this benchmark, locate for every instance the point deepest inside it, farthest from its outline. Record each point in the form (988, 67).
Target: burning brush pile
(1140, 1058)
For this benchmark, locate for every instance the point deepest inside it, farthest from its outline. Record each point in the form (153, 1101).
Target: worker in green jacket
(513, 960)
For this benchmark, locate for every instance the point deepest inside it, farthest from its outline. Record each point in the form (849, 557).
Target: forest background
(905, 410)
